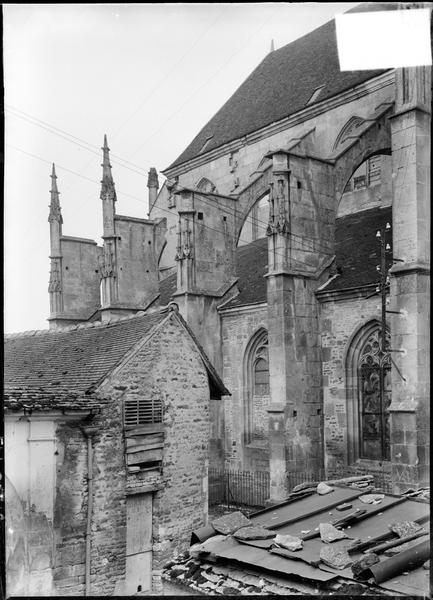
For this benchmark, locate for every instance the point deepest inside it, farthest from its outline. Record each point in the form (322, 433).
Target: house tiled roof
(358, 249)
(280, 86)
(60, 368)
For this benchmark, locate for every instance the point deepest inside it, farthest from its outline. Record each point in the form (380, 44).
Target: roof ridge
(114, 320)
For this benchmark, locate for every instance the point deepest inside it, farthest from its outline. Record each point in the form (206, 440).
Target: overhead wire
(254, 219)
(235, 238)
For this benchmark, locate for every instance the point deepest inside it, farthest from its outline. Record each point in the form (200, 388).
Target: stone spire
(55, 211)
(55, 220)
(108, 193)
(272, 46)
(107, 177)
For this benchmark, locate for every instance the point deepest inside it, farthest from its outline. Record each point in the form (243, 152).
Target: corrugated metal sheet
(285, 514)
(305, 515)
(230, 549)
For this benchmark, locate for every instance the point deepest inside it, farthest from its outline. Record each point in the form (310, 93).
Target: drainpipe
(88, 432)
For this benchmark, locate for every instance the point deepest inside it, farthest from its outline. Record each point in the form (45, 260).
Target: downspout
(88, 432)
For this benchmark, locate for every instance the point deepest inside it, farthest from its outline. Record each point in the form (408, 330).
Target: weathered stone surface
(230, 523)
(289, 542)
(253, 533)
(329, 533)
(324, 488)
(405, 528)
(338, 558)
(364, 563)
(305, 486)
(372, 498)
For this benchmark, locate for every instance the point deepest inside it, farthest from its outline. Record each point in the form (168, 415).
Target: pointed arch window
(256, 387)
(374, 389)
(368, 379)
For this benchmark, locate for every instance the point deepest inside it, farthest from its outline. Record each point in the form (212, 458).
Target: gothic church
(293, 235)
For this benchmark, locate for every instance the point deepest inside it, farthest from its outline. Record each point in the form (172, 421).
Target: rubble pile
(223, 580)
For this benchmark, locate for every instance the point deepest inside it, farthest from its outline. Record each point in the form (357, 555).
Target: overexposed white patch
(384, 39)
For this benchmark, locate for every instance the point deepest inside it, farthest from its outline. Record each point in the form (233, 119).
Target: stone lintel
(402, 408)
(150, 487)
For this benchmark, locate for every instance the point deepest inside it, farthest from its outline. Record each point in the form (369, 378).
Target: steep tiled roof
(167, 287)
(56, 367)
(252, 264)
(280, 86)
(357, 248)
(357, 254)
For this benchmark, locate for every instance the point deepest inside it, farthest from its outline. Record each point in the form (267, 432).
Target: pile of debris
(324, 537)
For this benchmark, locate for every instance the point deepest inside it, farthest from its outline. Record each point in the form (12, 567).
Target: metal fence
(238, 488)
(251, 489)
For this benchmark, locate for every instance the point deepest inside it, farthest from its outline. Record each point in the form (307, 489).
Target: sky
(148, 75)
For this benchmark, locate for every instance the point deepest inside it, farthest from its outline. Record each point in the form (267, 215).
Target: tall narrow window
(368, 388)
(374, 389)
(256, 388)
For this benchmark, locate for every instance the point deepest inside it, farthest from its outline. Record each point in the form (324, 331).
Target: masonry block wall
(181, 379)
(108, 527)
(238, 327)
(80, 277)
(138, 245)
(339, 322)
(248, 153)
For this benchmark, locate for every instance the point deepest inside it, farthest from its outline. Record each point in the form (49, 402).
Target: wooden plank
(143, 429)
(144, 456)
(141, 440)
(144, 447)
(138, 573)
(138, 523)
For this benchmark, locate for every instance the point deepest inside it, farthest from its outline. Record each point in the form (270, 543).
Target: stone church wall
(339, 321)
(238, 327)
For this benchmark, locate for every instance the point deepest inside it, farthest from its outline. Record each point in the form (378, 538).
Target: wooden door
(138, 543)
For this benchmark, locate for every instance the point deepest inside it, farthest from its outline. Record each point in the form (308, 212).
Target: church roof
(357, 267)
(57, 366)
(281, 85)
(357, 248)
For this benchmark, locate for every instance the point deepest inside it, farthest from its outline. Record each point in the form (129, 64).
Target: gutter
(88, 432)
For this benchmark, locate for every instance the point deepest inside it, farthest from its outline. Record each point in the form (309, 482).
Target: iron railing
(238, 488)
(252, 489)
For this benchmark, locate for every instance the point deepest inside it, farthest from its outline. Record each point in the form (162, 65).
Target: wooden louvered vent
(144, 433)
(142, 411)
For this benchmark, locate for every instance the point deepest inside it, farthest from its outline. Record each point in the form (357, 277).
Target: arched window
(255, 224)
(369, 390)
(374, 390)
(256, 387)
(205, 185)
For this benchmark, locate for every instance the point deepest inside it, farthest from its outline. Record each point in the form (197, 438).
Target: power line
(207, 81)
(65, 135)
(141, 200)
(167, 75)
(254, 219)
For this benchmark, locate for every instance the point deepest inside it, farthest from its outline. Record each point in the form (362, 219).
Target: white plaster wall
(30, 461)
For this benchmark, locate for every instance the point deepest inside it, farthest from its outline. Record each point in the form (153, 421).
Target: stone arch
(347, 130)
(354, 347)
(376, 139)
(248, 198)
(254, 351)
(205, 185)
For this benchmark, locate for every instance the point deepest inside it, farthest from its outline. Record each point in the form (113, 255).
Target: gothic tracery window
(374, 390)
(256, 388)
